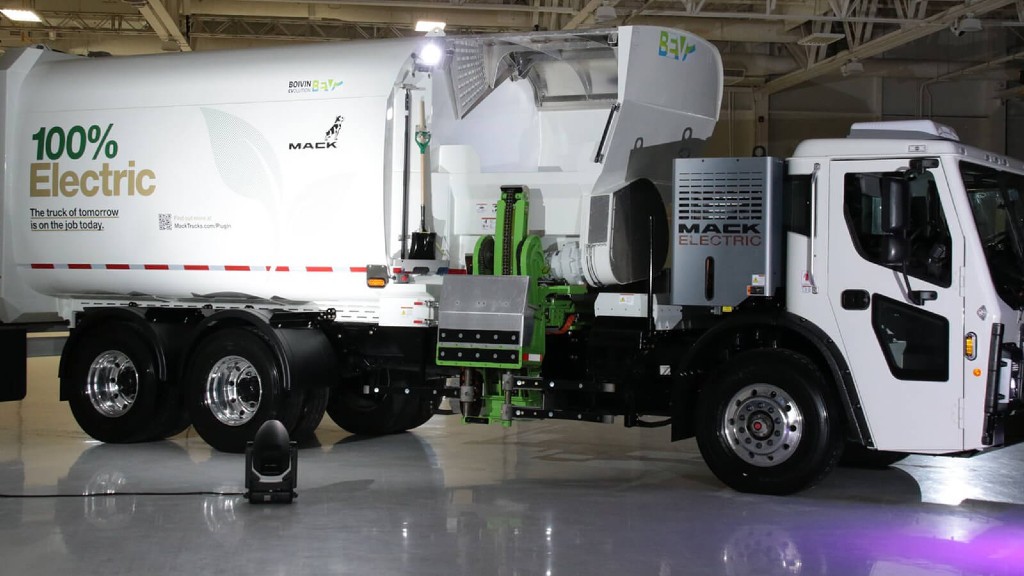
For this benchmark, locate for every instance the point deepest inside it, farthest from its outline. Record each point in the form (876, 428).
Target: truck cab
(908, 253)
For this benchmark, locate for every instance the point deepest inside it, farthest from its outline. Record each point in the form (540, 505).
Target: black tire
(227, 412)
(386, 412)
(856, 455)
(115, 395)
(767, 423)
(176, 424)
(314, 404)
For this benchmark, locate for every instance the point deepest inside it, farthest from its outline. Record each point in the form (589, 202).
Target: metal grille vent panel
(727, 228)
(467, 74)
(728, 196)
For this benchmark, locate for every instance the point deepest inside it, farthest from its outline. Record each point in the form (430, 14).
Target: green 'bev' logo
(674, 46)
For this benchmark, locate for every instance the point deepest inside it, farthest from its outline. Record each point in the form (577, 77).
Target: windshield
(998, 209)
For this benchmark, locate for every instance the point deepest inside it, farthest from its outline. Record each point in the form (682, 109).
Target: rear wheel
(314, 404)
(116, 396)
(767, 424)
(234, 385)
(382, 409)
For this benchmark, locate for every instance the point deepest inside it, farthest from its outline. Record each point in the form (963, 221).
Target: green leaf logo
(245, 160)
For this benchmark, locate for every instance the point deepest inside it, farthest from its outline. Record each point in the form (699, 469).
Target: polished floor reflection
(452, 499)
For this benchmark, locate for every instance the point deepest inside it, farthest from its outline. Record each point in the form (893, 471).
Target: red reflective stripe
(457, 271)
(189, 267)
(396, 270)
(357, 269)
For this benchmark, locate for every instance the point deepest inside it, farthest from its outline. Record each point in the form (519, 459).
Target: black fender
(302, 349)
(760, 329)
(164, 339)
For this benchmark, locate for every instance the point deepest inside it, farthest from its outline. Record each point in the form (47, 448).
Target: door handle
(855, 299)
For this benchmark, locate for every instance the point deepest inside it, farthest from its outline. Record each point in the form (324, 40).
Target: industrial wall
(827, 108)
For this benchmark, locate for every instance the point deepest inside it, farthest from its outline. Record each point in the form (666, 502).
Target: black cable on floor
(103, 494)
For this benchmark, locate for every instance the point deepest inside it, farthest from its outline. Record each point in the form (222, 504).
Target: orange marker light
(977, 371)
(376, 282)
(970, 345)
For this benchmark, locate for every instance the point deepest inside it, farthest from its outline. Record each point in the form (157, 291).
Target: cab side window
(929, 257)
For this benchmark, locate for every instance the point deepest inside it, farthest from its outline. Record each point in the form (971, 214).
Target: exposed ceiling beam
(65, 23)
(161, 21)
(439, 5)
(284, 29)
(367, 13)
(582, 15)
(882, 44)
(725, 30)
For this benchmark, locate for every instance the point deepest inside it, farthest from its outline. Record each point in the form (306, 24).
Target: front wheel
(234, 385)
(768, 424)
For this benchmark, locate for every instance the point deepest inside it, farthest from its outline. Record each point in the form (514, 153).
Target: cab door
(902, 334)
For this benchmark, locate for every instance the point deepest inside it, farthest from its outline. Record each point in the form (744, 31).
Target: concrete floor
(542, 498)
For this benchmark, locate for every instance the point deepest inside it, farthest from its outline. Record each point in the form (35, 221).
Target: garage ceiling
(767, 45)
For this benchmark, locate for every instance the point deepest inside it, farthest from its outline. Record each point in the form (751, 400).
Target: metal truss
(70, 23)
(287, 29)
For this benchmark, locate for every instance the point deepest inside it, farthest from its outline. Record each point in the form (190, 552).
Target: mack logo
(716, 229)
(330, 138)
(312, 145)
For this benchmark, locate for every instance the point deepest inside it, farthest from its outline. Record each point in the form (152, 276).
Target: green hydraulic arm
(513, 251)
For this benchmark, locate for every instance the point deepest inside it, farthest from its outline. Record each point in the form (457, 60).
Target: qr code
(165, 222)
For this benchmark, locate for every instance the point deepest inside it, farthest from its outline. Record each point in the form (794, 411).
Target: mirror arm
(917, 297)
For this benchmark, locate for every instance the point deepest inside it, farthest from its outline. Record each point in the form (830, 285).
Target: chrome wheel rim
(233, 391)
(763, 425)
(112, 384)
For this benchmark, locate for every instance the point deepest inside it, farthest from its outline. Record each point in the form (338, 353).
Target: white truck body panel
(275, 176)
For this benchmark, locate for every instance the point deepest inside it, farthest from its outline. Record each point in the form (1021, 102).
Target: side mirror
(895, 251)
(895, 221)
(895, 205)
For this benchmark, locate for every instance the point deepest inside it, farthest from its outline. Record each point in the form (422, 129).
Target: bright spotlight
(431, 55)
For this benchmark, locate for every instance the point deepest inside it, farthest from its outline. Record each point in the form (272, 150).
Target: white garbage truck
(512, 227)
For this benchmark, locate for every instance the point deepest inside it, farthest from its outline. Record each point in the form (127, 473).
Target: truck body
(521, 224)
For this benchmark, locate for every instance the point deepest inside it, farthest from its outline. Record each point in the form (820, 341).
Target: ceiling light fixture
(17, 15)
(820, 39)
(430, 26)
(965, 24)
(852, 67)
(605, 13)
